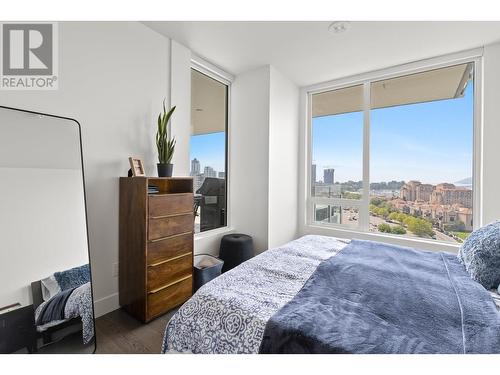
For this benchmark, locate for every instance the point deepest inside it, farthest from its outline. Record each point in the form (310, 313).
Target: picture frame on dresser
(156, 245)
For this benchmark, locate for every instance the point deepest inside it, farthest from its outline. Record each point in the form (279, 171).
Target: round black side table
(235, 249)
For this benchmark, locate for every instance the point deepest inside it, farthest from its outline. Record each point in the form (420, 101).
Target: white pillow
(50, 287)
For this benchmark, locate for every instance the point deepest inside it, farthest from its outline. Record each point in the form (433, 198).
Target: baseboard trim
(105, 305)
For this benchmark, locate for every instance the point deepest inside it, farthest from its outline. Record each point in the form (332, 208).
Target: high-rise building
(209, 172)
(195, 167)
(424, 192)
(328, 176)
(313, 179)
(408, 191)
(222, 174)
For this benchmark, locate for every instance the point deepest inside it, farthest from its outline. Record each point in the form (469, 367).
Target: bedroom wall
(264, 156)
(249, 141)
(180, 96)
(112, 79)
(283, 159)
(491, 133)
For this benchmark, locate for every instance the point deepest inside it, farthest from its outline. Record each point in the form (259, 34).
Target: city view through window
(209, 99)
(420, 159)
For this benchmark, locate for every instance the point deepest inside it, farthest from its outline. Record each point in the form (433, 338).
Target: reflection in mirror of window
(209, 103)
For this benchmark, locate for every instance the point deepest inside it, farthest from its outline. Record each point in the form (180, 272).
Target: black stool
(235, 249)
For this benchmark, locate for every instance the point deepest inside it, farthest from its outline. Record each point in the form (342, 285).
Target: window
(209, 117)
(395, 156)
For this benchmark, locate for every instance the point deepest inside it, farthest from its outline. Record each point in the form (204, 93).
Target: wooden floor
(120, 333)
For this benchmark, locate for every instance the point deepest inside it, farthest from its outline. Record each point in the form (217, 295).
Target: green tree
(419, 227)
(394, 216)
(383, 211)
(398, 230)
(384, 228)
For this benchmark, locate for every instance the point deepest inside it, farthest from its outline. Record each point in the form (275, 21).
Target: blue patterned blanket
(379, 298)
(229, 314)
(69, 304)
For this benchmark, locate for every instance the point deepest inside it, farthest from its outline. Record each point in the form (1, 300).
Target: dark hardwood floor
(120, 333)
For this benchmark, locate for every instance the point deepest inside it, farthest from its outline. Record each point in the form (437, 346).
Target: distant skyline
(430, 142)
(209, 149)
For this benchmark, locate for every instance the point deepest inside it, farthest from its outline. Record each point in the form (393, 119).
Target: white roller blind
(208, 104)
(438, 84)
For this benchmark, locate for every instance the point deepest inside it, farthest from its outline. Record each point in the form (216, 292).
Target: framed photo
(136, 166)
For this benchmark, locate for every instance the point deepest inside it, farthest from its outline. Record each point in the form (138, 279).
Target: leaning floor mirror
(45, 280)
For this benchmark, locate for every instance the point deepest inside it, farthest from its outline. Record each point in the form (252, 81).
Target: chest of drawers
(156, 245)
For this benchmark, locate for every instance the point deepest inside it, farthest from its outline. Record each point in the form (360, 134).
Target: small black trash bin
(235, 249)
(206, 268)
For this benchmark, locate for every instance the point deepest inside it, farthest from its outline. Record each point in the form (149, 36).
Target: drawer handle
(168, 285)
(170, 259)
(168, 194)
(168, 237)
(172, 215)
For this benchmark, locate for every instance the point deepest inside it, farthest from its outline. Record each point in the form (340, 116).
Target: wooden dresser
(156, 245)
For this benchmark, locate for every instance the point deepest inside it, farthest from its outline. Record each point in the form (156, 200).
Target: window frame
(214, 72)
(366, 79)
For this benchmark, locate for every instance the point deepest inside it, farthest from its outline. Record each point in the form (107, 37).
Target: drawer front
(169, 226)
(163, 205)
(167, 272)
(168, 298)
(168, 248)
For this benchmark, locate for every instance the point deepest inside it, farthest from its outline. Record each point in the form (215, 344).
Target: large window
(395, 156)
(209, 108)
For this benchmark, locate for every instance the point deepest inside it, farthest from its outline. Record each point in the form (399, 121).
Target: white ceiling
(308, 53)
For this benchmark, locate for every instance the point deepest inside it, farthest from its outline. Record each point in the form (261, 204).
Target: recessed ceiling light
(338, 27)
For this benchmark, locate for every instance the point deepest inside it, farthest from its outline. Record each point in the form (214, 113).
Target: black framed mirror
(46, 302)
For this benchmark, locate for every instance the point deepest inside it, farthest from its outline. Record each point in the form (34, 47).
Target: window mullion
(364, 210)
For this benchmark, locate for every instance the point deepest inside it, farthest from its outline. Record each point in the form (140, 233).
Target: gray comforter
(380, 298)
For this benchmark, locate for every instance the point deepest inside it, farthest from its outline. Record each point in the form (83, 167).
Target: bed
(296, 298)
(67, 307)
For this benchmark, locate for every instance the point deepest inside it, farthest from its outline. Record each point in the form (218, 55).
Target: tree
(401, 217)
(394, 216)
(419, 227)
(398, 230)
(383, 211)
(384, 228)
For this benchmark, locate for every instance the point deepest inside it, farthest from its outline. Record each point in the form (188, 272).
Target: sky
(209, 149)
(429, 142)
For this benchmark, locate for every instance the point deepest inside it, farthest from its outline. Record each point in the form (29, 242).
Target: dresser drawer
(165, 299)
(161, 250)
(169, 271)
(169, 226)
(172, 203)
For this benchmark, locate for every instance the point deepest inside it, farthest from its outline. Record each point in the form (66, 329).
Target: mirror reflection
(46, 294)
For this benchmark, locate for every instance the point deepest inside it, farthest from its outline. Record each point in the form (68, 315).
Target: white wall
(491, 133)
(113, 77)
(180, 96)
(283, 159)
(249, 142)
(264, 157)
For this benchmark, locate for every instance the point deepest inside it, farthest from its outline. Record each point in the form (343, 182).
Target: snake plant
(165, 145)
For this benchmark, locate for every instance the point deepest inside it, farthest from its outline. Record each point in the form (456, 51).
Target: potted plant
(165, 145)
